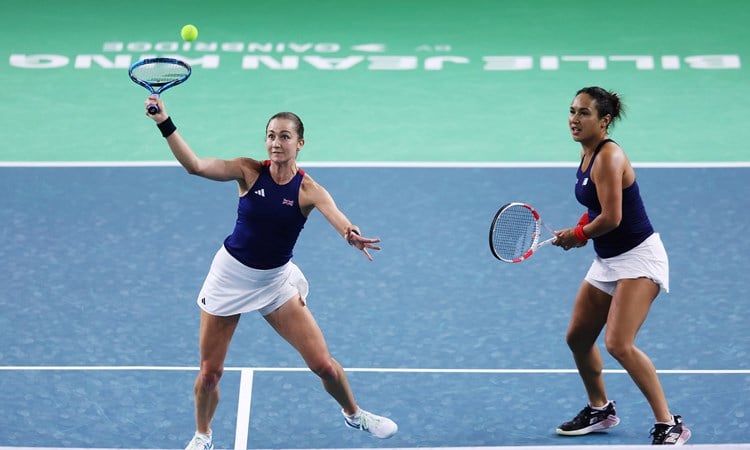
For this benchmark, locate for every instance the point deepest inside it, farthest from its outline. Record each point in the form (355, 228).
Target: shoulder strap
(601, 144)
(596, 152)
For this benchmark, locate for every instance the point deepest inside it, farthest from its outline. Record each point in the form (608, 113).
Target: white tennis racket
(516, 233)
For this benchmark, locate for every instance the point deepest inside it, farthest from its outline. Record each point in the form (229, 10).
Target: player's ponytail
(607, 102)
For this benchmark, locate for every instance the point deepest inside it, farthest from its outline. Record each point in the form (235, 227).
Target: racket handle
(153, 108)
(547, 241)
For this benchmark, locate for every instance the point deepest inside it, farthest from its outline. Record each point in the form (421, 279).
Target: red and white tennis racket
(516, 233)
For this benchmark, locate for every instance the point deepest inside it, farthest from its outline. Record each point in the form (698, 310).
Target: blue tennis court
(422, 118)
(101, 266)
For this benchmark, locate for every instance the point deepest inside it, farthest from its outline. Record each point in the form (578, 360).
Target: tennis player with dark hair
(629, 270)
(253, 271)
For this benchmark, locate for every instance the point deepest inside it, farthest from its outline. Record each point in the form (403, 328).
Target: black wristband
(167, 127)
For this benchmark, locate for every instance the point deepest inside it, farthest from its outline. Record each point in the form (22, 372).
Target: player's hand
(162, 115)
(567, 239)
(354, 239)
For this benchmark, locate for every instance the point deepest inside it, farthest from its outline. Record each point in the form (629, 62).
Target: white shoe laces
(199, 443)
(379, 427)
(364, 421)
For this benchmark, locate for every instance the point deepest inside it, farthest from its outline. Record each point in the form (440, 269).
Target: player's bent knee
(325, 369)
(619, 350)
(209, 379)
(577, 344)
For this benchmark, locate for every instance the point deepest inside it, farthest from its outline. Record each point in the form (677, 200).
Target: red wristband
(579, 233)
(584, 219)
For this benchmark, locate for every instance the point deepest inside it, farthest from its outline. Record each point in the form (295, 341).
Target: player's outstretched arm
(322, 200)
(211, 168)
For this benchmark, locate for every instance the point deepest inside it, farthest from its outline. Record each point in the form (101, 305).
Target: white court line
(245, 397)
(366, 369)
(546, 447)
(243, 410)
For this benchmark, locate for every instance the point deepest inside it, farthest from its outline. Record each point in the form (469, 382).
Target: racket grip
(153, 108)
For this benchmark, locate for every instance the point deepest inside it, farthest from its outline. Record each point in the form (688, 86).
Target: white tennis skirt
(647, 260)
(234, 288)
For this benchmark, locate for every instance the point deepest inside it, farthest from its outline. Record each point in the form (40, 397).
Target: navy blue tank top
(634, 227)
(269, 221)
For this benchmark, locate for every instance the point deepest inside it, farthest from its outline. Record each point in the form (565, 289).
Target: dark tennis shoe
(590, 420)
(676, 434)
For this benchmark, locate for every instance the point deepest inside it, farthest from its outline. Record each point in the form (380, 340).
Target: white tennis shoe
(378, 426)
(200, 442)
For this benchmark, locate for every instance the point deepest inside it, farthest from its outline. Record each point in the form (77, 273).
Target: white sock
(671, 423)
(354, 418)
(204, 435)
(600, 408)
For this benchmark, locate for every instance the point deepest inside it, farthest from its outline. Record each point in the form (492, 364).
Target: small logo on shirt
(287, 202)
(260, 192)
(584, 183)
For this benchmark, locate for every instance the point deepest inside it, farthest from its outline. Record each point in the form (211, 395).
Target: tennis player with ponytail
(253, 271)
(629, 270)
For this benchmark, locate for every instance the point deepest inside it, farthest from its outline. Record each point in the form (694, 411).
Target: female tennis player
(253, 271)
(629, 270)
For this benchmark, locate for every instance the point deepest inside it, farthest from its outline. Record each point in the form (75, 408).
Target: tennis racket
(159, 74)
(516, 233)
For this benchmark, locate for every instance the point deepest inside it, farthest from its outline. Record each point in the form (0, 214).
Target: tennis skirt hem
(647, 260)
(233, 288)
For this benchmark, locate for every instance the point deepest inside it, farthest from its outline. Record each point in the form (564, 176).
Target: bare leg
(295, 323)
(630, 306)
(215, 335)
(586, 322)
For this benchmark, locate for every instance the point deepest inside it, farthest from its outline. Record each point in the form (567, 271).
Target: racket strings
(160, 73)
(515, 232)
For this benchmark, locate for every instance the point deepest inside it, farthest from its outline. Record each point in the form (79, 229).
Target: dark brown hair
(607, 102)
(290, 116)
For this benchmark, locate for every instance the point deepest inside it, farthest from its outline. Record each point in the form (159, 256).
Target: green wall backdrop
(387, 80)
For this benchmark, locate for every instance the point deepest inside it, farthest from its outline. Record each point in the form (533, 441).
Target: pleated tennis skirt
(234, 288)
(648, 260)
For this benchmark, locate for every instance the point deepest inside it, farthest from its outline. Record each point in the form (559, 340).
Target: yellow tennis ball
(189, 33)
